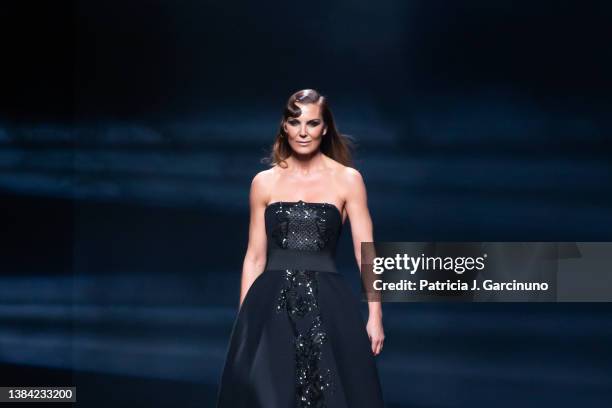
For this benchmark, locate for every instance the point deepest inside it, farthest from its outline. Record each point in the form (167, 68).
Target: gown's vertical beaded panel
(303, 227)
(298, 299)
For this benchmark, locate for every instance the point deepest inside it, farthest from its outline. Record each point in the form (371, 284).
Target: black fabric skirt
(299, 340)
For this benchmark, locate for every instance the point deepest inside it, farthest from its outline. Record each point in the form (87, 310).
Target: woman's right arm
(255, 258)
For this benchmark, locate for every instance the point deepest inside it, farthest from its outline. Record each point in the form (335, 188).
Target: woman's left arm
(361, 229)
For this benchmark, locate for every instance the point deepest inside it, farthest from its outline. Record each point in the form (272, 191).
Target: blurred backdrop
(130, 131)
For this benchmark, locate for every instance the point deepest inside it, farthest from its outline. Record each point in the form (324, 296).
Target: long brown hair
(334, 144)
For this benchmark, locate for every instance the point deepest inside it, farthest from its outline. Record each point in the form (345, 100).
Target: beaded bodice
(303, 226)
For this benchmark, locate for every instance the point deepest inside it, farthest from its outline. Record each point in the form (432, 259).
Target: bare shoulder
(341, 173)
(262, 184)
(263, 177)
(352, 177)
(347, 181)
(348, 178)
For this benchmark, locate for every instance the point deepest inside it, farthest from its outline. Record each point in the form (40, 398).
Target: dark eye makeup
(294, 122)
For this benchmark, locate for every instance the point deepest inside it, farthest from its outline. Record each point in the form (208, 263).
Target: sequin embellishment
(302, 226)
(299, 299)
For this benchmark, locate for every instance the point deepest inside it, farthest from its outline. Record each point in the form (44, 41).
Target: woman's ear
(325, 130)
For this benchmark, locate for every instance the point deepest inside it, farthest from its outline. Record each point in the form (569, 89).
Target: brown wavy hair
(333, 144)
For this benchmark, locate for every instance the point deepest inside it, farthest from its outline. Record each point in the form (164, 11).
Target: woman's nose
(303, 132)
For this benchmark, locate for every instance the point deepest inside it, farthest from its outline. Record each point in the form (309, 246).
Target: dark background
(130, 131)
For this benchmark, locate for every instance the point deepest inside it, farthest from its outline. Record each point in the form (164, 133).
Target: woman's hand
(376, 334)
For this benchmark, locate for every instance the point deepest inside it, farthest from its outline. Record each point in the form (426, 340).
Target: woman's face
(305, 132)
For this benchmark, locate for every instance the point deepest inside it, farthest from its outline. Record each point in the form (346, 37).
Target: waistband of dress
(280, 259)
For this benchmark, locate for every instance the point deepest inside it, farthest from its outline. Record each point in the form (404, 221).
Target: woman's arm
(361, 228)
(255, 258)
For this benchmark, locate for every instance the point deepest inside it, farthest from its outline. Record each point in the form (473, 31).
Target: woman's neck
(307, 164)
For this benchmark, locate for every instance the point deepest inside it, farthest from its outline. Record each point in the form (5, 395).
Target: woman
(299, 339)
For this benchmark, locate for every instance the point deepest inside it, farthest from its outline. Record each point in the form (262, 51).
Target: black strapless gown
(299, 339)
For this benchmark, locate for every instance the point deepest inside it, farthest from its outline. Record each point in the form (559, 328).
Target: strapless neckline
(322, 203)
